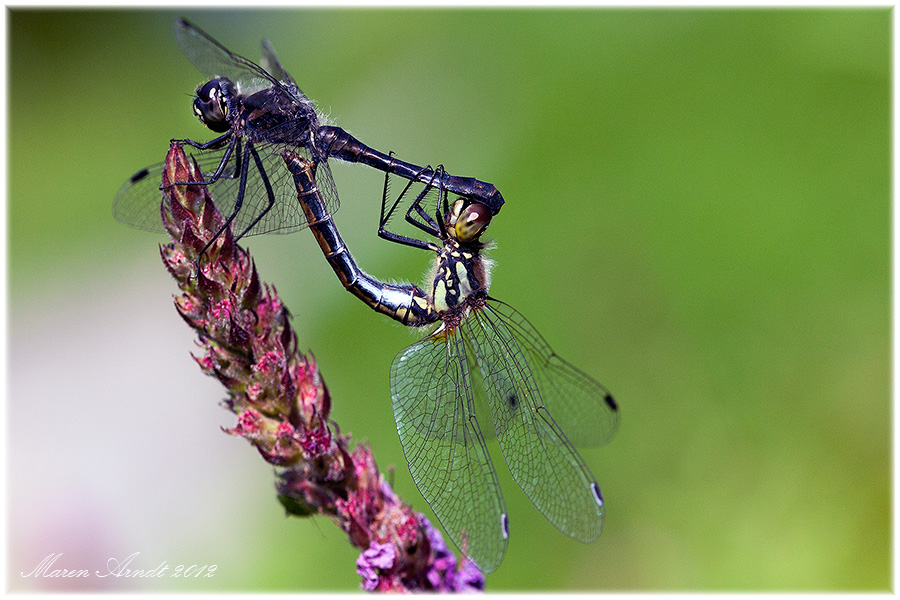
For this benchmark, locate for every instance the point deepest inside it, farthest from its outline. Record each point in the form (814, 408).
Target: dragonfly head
(212, 102)
(467, 220)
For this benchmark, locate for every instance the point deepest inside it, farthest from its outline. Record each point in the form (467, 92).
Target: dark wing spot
(611, 402)
(139, 175)
(512, 400)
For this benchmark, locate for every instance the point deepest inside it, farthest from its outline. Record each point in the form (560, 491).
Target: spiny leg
(270, 194)
(442, 200)
(417, 204)
(385, 216)
(242, 188)
(386, 234)
(427, 224)
(212, 144)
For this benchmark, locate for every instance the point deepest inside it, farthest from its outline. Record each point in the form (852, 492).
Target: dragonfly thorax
(461, 280)
(272, 116)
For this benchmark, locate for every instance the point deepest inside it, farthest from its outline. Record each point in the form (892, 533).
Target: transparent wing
(540, 457)
(138, 200)
(444, 447)
(584, 409)
(273, 66)
(215, 60)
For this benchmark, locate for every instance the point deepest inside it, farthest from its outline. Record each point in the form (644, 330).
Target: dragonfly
(483, 363)
(260, 112)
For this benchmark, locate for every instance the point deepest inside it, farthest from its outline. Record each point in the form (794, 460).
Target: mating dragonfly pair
(268, 172)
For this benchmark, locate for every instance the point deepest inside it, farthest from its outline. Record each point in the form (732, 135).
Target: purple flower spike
(443, 574)
(281, 402)
(376, 556)
(468, 579)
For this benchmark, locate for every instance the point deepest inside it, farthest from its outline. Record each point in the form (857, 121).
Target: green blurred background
(698, 214)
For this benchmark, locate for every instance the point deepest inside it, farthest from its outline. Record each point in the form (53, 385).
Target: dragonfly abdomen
(405, 303)
(334, 141)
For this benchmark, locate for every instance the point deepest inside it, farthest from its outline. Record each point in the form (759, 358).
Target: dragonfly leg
(270, 194)
(210, 145)
(340, 144)
(219, 169)
(428, 225)
(386, 234)
(239, 201)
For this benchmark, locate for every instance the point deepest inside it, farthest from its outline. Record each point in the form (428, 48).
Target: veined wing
(444, 447)
(584, 409)
(138, 200)
(540, 457)
(215, 60)
(273, 66)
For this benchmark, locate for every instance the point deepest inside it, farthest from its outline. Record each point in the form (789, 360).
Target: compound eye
(472, 222)
(211, 106)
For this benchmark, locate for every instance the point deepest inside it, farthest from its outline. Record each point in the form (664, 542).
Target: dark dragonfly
(260, 113)
(482, 356)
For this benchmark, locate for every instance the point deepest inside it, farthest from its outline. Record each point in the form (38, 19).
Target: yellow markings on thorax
(440, 296)
(462, 276)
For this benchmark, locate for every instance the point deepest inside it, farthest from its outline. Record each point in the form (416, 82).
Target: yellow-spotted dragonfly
(260, 113)
(481, 352)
